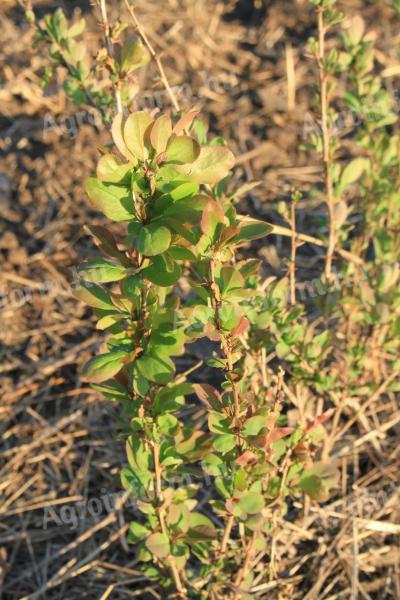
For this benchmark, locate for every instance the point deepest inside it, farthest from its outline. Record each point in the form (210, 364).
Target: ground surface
(59, 535)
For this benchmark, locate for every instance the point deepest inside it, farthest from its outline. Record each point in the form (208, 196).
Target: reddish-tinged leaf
(158, 544)
(244, 324)
(185, 121)
(228, 233)
(135, 131)
(321, 419)
(279, 433)
(212, 332)
(213, 214)
(160, 133)
(105, 240)
(246, 458)
(118, 136)
(208, 394)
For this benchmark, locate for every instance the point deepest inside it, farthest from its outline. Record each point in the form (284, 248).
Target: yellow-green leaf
(135, 132)
(114, 201)
(103, 367)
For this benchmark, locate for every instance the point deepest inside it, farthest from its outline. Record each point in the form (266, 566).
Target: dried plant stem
(291, 76)
(154, 55)
(326, 140)
(110, 50)
(227, 534)
(309, 239)
(160, 514)
(246, 566)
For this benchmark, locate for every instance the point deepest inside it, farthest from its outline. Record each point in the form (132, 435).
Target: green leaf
(230, 279)
(353, 101)
(158, 544)
(160, 133)
(251, 229)
(254, 425)
(59, 25)
(199, 130)
(212, 165)
(137, 532)
(181, 253)
(154, 368)
(134, 55)
(138, 453)
(111, 170)
(167, 424)
(100, 270)
(224, 443)
(170, 398)
(183, 190)
(94, 296)
(76, 29)
(114, 201)
(201, 527)
(182, 150)
(103, 367)
(251, 503)
(117, 131)
(351, 173)
(135, 133)
(153, 239)
(213, 465)
(112, 390)
(318, 481)
(162, 272)
(217, 421)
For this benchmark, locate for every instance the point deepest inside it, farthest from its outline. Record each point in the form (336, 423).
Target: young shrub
(369, 309)
(169, 187)
(106, 83)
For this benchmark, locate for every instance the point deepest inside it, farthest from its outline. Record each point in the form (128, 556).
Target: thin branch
(154, 55)
(292, 266)
(226, 342)
(326, 140)
(110, 50)
(227, 534)
(304, 237)
(160, 514)
(246, 567)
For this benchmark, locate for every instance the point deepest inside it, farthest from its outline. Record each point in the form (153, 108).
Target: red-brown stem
(226, 341)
